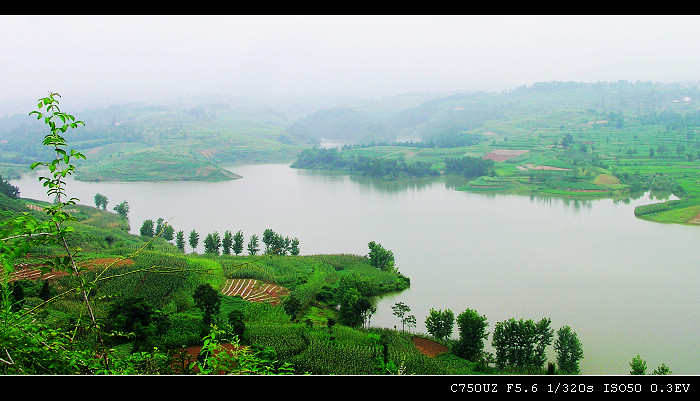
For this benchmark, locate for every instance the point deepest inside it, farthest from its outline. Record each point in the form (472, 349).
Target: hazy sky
(132, 56)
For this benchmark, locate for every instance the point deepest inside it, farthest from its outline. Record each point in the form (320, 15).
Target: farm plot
(254, 290)
(25, 271)
(500, 155)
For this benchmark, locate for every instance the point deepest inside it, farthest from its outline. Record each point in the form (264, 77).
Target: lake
(626, 286)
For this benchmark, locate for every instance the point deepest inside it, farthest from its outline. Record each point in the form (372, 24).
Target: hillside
(287, 303)
(83, 296)
(613, 140)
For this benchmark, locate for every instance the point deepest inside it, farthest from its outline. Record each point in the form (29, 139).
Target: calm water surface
(627, 287)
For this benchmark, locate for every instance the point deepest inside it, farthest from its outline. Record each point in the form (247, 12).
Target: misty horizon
(132, 58)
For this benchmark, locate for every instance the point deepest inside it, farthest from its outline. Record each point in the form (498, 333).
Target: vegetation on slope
(82, 296)
(579, 140)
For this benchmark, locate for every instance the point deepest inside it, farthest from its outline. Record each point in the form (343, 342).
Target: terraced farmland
(254, 290)
(29, 273)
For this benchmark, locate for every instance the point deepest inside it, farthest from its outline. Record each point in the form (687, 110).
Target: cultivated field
(254, 290)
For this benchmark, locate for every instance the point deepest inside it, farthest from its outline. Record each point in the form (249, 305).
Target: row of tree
(230, 243)
(519, 344)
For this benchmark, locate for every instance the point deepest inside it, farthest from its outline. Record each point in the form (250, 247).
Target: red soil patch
(191, 354)
(695, 220)
(499, 155)
(429, 348)
(103, 262)
(33, 271)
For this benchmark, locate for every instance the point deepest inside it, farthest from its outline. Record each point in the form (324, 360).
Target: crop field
(254, 290)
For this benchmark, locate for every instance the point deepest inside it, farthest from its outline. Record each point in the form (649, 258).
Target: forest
(81, 295)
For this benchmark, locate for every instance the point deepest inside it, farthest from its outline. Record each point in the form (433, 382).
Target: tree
(292, 306)
(662, 370)
(122, 209)
(253, 247)
(147, 229)
(439, 324)
(137, 318)
(400, 309)
(275, 244)
(194, 240)
(45, 293)
(212, 243)
(521, 343)
(168, 232)
(381, 258)
(472, 333)
(8, 189)
(355, 309)
(638, 365)
(567, 140)
(101, 201)
(159, 227)
(268, 239)
(236, 319)
(238, 242)
(180, 241)
(294, 247)
(227, 242)
(410, 321)
(569, 351)
(208, 300)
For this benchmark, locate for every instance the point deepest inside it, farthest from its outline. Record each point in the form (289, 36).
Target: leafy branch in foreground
(21, 233)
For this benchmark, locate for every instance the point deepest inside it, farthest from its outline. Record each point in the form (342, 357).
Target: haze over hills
(194, 138)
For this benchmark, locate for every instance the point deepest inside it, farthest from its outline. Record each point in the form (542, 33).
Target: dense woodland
(81, 295)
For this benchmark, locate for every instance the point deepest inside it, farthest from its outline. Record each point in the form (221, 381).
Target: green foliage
(101, 201)
(354, 308)
(208, 300)
(122, 209)
(472, 333)
(212, 243)
(638, 365)
(520, 344)
(193, 239)
(469, 167)
(354, 164)
(569, 351)
(380, 257)
(235, 359)
(253, 247)
(276, 244)
(439, 323)
(135, 320)
(227, 242)
(8, 189)
(662, 370)
(237, 245)
(147, 229)
(400, 309)
(180, 241)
